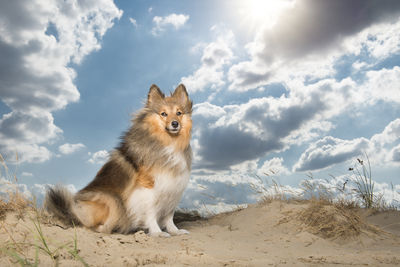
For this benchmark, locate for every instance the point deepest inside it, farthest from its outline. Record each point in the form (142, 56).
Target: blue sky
(289, 87)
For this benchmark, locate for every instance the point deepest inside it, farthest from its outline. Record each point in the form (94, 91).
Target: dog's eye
(178, 113)
(164, 114)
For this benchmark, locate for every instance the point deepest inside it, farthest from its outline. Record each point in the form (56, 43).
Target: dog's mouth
(173, 130)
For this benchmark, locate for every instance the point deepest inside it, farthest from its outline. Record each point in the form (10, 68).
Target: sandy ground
(273, 234)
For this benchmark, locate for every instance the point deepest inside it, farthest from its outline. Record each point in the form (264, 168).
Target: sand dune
(271, 234)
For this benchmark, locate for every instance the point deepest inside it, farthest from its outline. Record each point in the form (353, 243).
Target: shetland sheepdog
(142, 182)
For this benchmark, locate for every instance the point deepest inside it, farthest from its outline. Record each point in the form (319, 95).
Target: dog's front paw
(180, 232)
(160, 234)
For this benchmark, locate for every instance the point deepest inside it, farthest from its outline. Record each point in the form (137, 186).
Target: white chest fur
(159, 202)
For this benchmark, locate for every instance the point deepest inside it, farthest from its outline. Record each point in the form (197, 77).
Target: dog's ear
(155, 95)
(181, 96)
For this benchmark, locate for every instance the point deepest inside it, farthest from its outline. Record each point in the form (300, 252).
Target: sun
(264, 13)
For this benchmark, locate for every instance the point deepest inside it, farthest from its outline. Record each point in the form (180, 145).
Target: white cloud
(99, 157)
(384, 146)
(389, 135)
(215, 56)
(70, 148)
(174, 20)
(249, 75)
(329, 150)
(207, 110)
(134, 22)
(247, 166)
(198, 48)
(38, 41)
(380, 40)
(7, 187)
(235, 177)
(35, 192)
(274, 167)
(383, 85)
(27, 153)
(22, 132)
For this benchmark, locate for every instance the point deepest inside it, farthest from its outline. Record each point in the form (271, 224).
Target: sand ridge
(270, 234)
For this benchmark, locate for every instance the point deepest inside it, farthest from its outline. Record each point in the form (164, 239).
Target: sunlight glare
(265, 13)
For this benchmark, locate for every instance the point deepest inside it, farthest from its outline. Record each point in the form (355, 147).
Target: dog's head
(170, 114)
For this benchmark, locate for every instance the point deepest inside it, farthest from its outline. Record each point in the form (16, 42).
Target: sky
(282, 90)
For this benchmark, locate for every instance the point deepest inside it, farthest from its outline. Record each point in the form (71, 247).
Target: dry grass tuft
(364, 184)
(334, 220)
(19, 251)
(270, 189)
(15, 202)
(12, 200)
(312, 189)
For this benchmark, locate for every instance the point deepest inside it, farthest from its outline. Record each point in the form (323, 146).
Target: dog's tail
(59, 202)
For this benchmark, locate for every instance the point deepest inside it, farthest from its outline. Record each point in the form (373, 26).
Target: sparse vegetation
(14, 202)
(333, 220)
(363, 182)
(314, 190)
(358, 190)
(333, 210)
(75, 251)
(17, 250)
(362, 178)
(270, 189)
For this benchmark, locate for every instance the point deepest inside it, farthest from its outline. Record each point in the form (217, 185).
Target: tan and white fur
(141, 184)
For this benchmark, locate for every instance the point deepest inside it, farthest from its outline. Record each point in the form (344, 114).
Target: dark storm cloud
(258, 131)
(225, 146)
(317, 25)
(23, 88)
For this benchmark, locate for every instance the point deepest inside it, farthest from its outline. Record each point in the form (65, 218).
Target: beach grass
(15, 202)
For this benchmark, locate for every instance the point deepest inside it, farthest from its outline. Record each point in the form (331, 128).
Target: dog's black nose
(175, 124)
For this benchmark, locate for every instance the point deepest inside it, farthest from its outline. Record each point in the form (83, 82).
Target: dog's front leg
(154, 228)
(171, 227)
